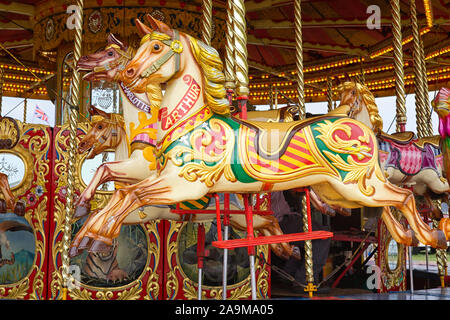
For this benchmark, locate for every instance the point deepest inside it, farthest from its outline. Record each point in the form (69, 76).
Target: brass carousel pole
(240, 55)
(310, 288)
(418, 79)
(398, 65)
(207, 21)
(73, 114)
(242, 92)
(1, 89)
(230, 79)
(329, 93)
(206, 38)
(25, 109)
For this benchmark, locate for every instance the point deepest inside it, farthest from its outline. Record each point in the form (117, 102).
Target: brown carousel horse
(201, 150)
(9, 203)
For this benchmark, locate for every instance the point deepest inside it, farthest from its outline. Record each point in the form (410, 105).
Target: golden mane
(368, 99)
(211, 64)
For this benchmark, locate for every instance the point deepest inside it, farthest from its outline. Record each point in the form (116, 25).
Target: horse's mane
(211, 64)
(368, 99)
(154, 94)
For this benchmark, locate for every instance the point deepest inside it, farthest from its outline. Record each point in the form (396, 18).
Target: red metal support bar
(249, 220)
(200, 245)
(219, 224)
(336, 282)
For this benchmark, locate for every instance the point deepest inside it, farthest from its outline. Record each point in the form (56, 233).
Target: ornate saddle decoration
(412, 156)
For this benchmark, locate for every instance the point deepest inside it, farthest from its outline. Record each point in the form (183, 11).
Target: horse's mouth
(90, 151)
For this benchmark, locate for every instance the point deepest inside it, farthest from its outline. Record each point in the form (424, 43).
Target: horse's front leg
(128, 171)
(105, 225)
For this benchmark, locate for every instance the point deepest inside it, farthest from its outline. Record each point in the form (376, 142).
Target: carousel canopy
(341, 40)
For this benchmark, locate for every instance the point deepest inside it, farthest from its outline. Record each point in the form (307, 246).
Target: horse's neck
(183, 98)
(364, 117)
(131, 112)
(122, 152)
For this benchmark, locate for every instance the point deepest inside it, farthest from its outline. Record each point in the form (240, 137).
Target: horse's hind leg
(396, 229)
(403, 200)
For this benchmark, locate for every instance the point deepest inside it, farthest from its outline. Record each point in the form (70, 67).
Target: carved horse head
(106, 133)
(106, 64)
(362, 104)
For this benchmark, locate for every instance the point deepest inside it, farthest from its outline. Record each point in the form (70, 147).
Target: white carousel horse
(134, 149)
(201, 150)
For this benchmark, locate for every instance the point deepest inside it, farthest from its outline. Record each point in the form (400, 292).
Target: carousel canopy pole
(310, 288)
(418, 79)
(299, 59)
(230, 79)
(240, 55)
(1, 89)
(25, 108)
(330, 93)
(398, 65)
(207, 22)
(73, 114)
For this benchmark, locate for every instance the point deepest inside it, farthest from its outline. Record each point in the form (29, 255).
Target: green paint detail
(236, 165)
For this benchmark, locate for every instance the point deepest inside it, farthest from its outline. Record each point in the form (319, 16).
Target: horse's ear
(98, 112)
(159, 25)
(142, 28)
(113, 40)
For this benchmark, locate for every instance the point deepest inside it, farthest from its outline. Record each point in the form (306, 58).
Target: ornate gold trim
(241, 290)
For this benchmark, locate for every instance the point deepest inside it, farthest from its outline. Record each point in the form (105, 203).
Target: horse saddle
(399, 137)
(272, 138)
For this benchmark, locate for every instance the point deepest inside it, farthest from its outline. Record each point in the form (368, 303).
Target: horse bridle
(175, 45)
(120, 63)
(114, 128)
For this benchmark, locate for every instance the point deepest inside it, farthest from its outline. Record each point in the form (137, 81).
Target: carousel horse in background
(134, 148)
(202, 150)
(9, 202)
(441, 105)
(406, 159)
(134, 158)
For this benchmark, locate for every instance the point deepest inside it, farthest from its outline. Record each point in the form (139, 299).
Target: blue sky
(13, 107)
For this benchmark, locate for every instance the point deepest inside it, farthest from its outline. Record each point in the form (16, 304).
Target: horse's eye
(100, 127)
(110, 53)
(156, 47)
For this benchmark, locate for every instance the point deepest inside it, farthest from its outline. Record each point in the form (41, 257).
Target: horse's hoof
(414, 241)
(19, 209)
(73, 252)
(3, 207)
(440, 242)
(100, 246)
(83, 209)
(85, 243)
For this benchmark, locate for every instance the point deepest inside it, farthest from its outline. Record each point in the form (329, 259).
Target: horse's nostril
(130, 72)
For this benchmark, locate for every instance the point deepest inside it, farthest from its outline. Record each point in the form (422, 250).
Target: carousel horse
(9, 202)
(112, 131)
(135, 155)
(202, 150)
(105, 65)
(406, 160)
(441, 105)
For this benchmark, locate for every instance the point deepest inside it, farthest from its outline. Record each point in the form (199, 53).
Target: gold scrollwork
(209, 174)
(241, 290)
(37, 168)
(356, 171)
(132, 290)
